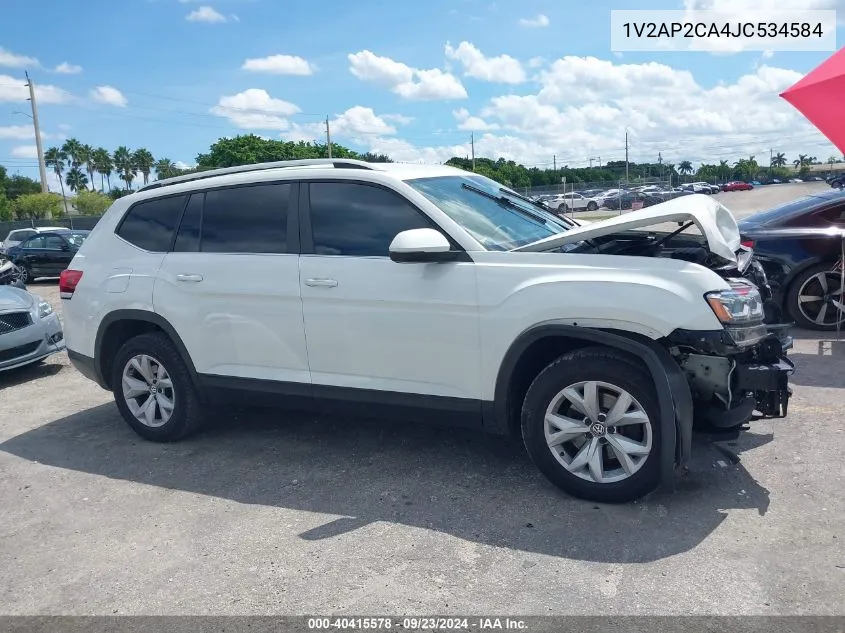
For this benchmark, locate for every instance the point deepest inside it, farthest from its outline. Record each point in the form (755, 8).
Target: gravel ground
(272, 513)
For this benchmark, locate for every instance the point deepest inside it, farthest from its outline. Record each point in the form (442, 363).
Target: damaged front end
(740, 369)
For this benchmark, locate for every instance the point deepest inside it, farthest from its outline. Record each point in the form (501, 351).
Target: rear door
(230, 287)
(33, 255)
(57, 254)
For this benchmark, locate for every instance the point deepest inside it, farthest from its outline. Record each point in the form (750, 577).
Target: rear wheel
(590, 424)
(563, 208)
(25, 274)
(592, 206)
(815, 299)
(153, 389)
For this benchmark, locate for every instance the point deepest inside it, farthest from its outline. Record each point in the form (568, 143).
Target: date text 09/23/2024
(416, 623)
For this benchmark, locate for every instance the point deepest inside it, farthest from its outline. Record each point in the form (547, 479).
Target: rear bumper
(86, 366)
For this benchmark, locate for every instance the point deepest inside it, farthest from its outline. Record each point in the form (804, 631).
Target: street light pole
(42, 167)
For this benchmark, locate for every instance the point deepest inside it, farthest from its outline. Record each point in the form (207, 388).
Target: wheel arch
(536, 347)
(119, 326)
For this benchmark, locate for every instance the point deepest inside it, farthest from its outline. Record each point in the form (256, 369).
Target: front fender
(673, 392)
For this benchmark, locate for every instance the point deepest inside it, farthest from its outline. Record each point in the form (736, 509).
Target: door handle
(188, 277)
(326, 283)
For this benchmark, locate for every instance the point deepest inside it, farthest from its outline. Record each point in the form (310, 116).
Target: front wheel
(590, 423)
(592, 206)
(563, 208)
(815, 298)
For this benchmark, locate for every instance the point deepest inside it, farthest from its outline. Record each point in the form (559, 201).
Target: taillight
(747, 243)
(68, 281)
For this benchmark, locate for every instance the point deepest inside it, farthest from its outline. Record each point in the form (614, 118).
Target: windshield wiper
(505, 201)
(539, 205)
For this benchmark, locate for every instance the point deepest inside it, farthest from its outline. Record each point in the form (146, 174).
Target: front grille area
(11, 321)
(20, 350)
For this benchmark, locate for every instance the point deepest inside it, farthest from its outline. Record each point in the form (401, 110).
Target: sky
(534, 81)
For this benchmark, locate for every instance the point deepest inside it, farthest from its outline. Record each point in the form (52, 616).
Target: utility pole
(660, 163)
(472, 142)
(42, 167)
(626, 156)
(770, 162)
(554, 162)
(328, 137)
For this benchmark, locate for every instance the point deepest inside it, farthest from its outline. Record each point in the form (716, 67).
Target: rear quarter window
(151, 224)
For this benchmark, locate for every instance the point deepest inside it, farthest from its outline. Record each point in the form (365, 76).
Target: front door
(380, 331)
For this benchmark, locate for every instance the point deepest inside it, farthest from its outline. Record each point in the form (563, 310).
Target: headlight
(44, 309)
(738, 306)
(740, 309)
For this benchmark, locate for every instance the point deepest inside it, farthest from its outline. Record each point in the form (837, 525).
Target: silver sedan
(29, 328)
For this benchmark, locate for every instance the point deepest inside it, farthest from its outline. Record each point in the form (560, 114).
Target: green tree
(249, 149)
(143, 161)
(116, 193)
(724, 170)
(6, 212)
(779, 160)
(74, 151)
(685, 168)
(76, 180)
(55, 158)
(34, 206)
(92, 202)
(18, 185)
(104, 165)
(87, 156)
(165, 168)
(124, 165)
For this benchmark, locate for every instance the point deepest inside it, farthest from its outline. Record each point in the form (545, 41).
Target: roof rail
(339, 163)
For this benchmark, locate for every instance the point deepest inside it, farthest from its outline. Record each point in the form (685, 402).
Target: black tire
(605, 365)
(25, 274)
(592, 206)
(563, 208)
(792, 304)
(187, 414)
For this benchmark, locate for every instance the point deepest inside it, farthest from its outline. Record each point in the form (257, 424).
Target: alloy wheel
(148, 390)
(821, 300)
(598, 431)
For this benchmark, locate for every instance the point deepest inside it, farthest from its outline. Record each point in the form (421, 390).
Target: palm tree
(124, 165)
(87, 156)
(76, 180)
(55, 158)
(800, 161)
(724, 170)
(165, 168)
(685, 168)
(779, 160)
(144, 162)
(73, 149)
(103, 165)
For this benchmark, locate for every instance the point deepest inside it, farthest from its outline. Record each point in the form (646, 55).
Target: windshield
(498, 225)
(76, 239)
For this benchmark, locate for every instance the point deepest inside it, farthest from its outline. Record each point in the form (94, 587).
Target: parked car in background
(629, 199)
(799, 245)
(737, 185)
(29, 329)
(574, 202)
(837, 182)
(46, 254)
(16, 236)
(795, 180)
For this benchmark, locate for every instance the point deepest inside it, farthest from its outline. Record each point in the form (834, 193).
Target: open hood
(713, 219)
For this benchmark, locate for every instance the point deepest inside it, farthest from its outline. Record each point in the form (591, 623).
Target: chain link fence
(80, 222)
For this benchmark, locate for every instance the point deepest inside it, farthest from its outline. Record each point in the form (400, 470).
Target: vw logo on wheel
(598, 429)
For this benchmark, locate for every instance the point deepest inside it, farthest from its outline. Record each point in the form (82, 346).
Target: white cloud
(180, 164)
(25, 151)
(584, 106)
(536, 62)
(409, 83)
(472, 123)
(67, 69)
(279, 65)
(12, 89)
(502, 69)
(205, 14)
(358, 123)
(108, 95)
(255, 109)
(10, 59)
(16, 132)
(537, 22)
(401, 119)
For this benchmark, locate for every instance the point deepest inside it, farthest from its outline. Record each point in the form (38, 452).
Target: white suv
(426, 293)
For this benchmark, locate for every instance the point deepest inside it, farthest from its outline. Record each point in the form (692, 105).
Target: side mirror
(421, 246)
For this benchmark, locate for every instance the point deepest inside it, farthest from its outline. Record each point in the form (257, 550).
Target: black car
(46, 254)
(838, 182)
(627, 200)
(800, 246)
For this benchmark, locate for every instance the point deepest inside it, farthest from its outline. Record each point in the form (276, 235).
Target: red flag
(820, 96)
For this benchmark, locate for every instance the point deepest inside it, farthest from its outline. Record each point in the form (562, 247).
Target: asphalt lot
(273, 513)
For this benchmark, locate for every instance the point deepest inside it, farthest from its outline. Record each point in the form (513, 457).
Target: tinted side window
(150, 225)
(35, 242)
(246, 219)
(188, 237)
(20, 236)
(359, 220)
(833, 216)
(53, 242)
